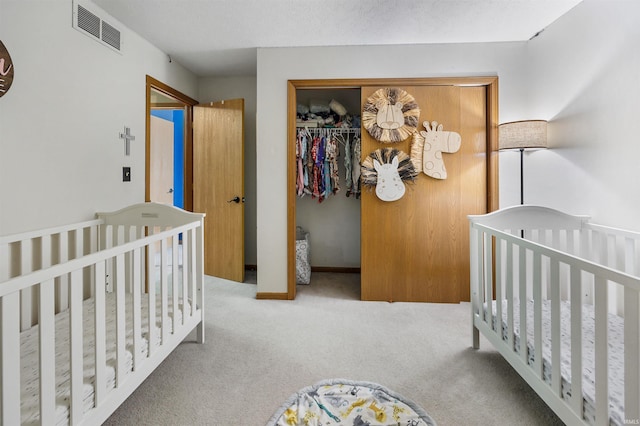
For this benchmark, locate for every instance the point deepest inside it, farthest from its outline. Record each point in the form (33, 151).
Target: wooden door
(417, 248)
(161, 162)
(218, 185)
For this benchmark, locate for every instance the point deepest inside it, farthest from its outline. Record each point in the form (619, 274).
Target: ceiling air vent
(92, 25)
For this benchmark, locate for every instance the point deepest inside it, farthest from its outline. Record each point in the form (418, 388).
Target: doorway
(332, 219)
(484, 128)
(169, 145)
(212, 173)
(167, 155)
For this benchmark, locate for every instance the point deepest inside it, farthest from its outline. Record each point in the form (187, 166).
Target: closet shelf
(325, 130)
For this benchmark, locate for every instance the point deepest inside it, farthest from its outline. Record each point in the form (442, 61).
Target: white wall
(584, 79)
(277, 65)
(216, 89)
(60, 156)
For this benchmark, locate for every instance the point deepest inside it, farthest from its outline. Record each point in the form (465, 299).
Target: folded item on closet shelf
(302, 109)
(316, 106)
(337, 107)
(304, 123)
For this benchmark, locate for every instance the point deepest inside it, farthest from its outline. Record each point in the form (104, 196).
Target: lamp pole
(521, 175)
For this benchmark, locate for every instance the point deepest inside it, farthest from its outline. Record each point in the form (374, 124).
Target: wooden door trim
(188, 103)
(491, 85)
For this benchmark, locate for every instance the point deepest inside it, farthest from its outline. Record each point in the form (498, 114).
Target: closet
(329, 213)
(415, 248)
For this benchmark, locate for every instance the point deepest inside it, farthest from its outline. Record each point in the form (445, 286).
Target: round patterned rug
(345, 402)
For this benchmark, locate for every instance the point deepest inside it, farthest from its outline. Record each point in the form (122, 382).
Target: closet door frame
(491, 87)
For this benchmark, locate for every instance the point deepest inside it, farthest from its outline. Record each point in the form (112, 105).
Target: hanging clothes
(355, 173)
(348, 167)
(331, 164)
(317, 169)
(301, 153)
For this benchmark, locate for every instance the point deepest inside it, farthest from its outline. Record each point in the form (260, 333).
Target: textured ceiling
(220, 37)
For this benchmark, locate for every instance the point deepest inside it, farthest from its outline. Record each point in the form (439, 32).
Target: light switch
(126, 174)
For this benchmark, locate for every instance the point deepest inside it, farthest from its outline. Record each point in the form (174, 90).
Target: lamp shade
(523, 134)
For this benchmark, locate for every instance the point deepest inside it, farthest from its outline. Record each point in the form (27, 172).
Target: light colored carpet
(258, 352)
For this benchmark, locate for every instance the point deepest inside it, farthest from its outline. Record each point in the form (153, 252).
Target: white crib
(581, 282)
(89, 310)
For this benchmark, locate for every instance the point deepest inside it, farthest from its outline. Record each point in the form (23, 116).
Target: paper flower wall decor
(390, 115)
(417, 148)
(386, 169)
(437, 141)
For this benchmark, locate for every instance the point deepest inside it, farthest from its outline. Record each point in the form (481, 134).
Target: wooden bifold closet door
(417, 248)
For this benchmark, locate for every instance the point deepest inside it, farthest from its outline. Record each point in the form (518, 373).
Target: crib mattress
(616, 353)
(29, 376)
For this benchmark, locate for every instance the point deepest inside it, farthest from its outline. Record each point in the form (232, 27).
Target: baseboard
(272, 296)
(336, 269)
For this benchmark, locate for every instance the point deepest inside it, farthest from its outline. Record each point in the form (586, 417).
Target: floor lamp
(522, 135)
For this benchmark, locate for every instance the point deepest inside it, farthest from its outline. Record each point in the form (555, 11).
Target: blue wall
(177, 117)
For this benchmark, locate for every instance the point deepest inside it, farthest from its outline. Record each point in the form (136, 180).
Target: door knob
(235, 199)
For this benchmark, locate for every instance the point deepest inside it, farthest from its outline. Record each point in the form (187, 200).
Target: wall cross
(128, 137)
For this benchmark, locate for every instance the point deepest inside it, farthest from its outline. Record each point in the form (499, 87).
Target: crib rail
(163, 301)
(562, 260)
(30, 251)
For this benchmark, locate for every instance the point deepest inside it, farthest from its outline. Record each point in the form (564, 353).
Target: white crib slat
(601, 346)
(137, 310)
(185, 271)
(586, 237)
(47, 348)
(522, 280)
(510, 284)
(164, 314)
(488, 278)
(75, 331)
(151, 297)
(576, 340)
(120, 320)
(475, 278)
(62, 293)
(537, 315)
(556, 383)
(631, 350)
(92, 246)
(174, 281)
(26, 295)
(194, 284)
(10, 372)
(144, 277)
(100, 332)
(199, 273)
(499, 279)
(129, 235)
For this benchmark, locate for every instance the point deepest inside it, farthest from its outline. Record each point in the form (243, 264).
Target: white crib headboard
(530, 217)
(150, 214)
